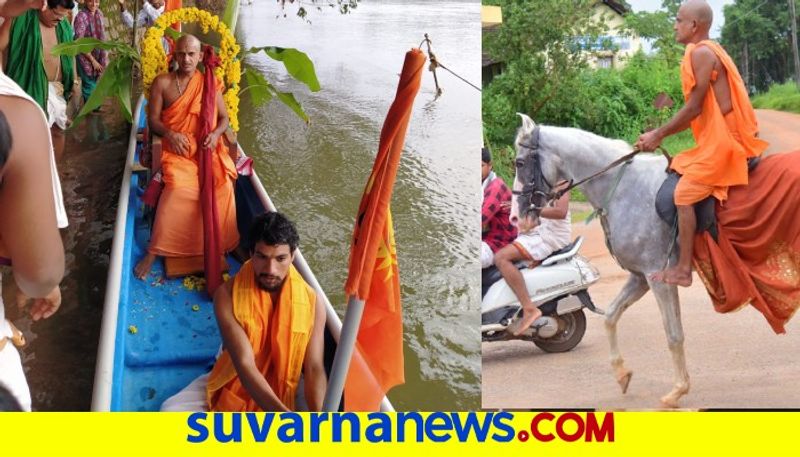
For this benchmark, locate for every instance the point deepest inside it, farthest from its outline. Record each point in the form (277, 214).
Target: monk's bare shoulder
(162, 80)
(702, 54)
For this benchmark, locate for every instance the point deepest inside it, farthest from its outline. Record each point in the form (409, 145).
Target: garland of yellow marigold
(154, 60)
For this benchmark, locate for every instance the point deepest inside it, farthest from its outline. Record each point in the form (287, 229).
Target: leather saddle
(704, 210)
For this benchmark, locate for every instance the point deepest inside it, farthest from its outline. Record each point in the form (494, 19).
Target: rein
(535, 187)
(624, 159)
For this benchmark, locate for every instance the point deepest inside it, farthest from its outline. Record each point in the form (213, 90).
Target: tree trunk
(746, 67)
(793, 16)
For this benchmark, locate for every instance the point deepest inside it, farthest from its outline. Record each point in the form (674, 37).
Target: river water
(315, 174)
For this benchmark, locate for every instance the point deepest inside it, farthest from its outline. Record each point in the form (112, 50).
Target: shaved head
(188, 52)
(700, 11)
(693, 22)
(188, 42)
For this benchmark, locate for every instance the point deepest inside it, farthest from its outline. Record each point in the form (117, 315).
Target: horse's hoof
(624, 380)
(668, 401)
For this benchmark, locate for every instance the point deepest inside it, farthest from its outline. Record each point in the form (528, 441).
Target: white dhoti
(193, 397)
(487, 255)
(61, 211)
(56, 105)
(12, 377)
(550, 236)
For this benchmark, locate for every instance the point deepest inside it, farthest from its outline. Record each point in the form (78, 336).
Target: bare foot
(675, 276)
(144, 265)
(529, 316)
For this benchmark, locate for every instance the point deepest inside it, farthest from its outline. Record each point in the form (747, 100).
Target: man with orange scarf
(272, 329)
(723, 123)
(175, 114)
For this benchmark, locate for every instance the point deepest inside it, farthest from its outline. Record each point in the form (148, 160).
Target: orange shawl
(719, 159)
(279, 337)
(183, 116)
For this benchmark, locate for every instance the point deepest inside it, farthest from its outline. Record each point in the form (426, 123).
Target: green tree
(541, 44)
(657, 27)
(757, 35)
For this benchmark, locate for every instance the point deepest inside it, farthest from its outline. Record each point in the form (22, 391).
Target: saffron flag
(170, 5)
(373, 275)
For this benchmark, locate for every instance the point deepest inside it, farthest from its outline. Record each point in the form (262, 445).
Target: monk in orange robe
(174, 113)
(723, 123)
(272, 329)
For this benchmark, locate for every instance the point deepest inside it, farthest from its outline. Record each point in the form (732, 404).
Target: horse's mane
(584, 139)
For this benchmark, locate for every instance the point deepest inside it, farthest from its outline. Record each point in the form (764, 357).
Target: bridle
(534, 190)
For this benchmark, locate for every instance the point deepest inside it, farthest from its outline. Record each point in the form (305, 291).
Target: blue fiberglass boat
(159, 334)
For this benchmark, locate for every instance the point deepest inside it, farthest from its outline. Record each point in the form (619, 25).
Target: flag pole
(344, 353)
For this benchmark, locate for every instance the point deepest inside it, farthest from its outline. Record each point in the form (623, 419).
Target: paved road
(781, 129)
(734, 360)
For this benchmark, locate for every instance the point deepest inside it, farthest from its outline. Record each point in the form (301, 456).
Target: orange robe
(278, 335)
(178, 228)
(723, 145)
(756, 259)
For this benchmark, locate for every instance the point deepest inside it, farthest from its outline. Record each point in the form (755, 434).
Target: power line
(747, 13)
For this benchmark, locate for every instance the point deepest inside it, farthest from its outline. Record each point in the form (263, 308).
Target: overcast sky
(716, 5)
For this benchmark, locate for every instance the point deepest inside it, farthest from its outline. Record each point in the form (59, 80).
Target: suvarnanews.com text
(435, 427)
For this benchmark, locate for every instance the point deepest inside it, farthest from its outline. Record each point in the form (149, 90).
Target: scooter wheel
(574, 326)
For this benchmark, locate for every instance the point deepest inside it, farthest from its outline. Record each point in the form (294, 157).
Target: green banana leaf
(261, 91)
(296, 62)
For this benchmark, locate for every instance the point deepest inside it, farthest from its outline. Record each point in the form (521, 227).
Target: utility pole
(793, 15)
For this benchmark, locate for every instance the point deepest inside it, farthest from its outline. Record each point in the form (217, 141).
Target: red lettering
(535, 427)
(604, 432)
(563, 434)
(588, 429)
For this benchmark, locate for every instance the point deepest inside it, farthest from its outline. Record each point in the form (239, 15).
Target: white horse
(637, 238)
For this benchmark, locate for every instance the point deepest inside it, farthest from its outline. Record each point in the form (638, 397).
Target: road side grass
(781, 97)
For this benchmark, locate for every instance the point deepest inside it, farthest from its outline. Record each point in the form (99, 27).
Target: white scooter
(559, 287)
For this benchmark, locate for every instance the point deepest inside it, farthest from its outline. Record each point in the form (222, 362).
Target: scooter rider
(496, 230)
(533, 244)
